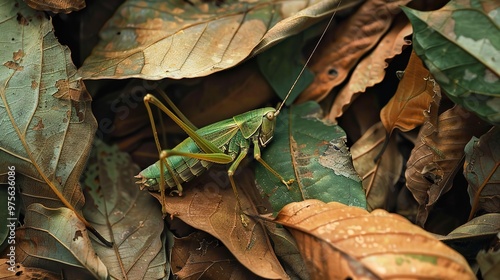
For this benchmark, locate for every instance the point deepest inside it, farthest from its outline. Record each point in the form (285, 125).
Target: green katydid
(224, 142)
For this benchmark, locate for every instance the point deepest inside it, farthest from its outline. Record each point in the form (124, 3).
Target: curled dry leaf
(340, 242)
(211, 206)
(439, 154)
(371, 69)
(379, 177)
(415, 92)
(482, 159)
(350, 41)
(56, 6)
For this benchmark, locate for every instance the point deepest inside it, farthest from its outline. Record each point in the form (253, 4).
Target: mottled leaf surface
(176, 39)
(340, 242)
(45, 117)
(122, 213)
(312, 153)
(56, 6)
(460, 44)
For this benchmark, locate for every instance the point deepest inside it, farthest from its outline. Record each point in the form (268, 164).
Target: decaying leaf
(45, 111)
(340, 242)
(379, 177)
(17, 271)
(174, 39)
(349, 42)
(312, 153)
(201, 256)
(124, 214)
(415, 92)
(438, 155)
(371, 69)
(459, 44)
(482, 159)
(56, 240)
(211, 206)
(56, 6)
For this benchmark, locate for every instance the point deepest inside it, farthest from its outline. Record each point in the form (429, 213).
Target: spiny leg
(257, 156)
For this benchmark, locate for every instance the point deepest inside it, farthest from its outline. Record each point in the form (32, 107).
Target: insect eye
(270, 116)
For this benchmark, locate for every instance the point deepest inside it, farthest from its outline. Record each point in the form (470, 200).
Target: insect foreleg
(257, 156)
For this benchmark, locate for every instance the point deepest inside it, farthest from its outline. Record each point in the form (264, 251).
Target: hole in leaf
(333, 72)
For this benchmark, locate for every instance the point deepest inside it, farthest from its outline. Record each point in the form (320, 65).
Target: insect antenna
(307, 61)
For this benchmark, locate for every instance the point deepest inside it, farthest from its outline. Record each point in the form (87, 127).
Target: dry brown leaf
(342, 242)
(56, 6)
(415, 92)
(439, 154)
(349, 42)
(371, 70)
(212, 207)
(379, 178)
(201, 256)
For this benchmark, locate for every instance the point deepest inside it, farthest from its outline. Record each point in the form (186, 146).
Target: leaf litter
(208, 214)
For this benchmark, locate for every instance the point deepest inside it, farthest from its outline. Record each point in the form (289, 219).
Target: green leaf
(281, 64)
(180, 39)
(56, 240)
(121, 212)
(45, 115)
(312, 153)
(460, 44)
(482, 159)
(469, 238)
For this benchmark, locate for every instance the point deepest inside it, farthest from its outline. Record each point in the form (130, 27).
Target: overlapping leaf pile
(405, 120)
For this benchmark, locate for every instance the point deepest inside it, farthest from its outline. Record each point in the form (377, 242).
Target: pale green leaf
(121, 212)
(56, 240)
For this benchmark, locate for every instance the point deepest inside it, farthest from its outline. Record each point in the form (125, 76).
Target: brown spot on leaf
(34, 84)
(13, 65)
(72, 90)
(18, 55)
(39, 125)
(22, 20)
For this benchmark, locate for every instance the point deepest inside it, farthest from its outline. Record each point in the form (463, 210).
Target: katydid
(224, 142)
